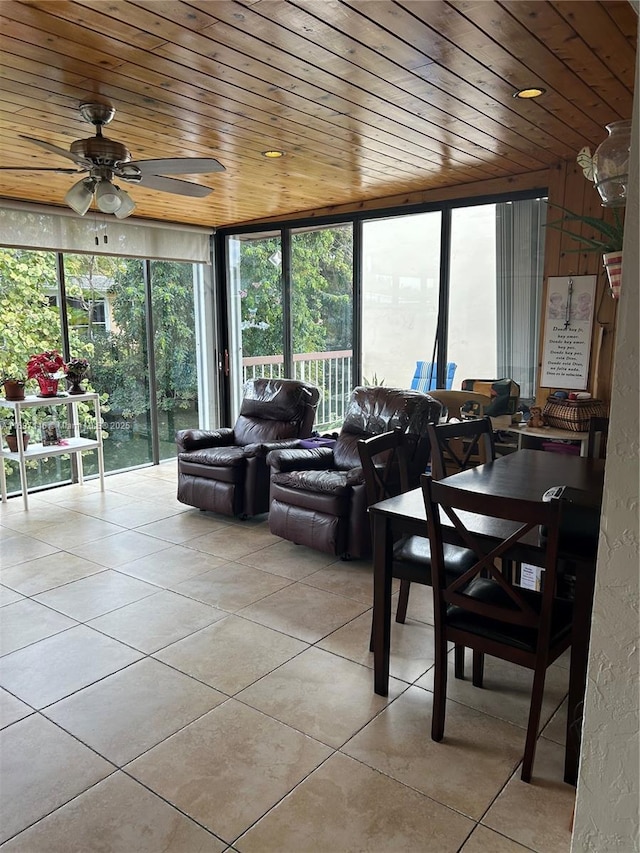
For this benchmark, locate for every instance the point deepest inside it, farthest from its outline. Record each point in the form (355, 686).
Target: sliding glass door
(322, 316)
(472, 326)
(495, 291)
(400, 296)
(175, 345)
(290, 307)
(255, 309)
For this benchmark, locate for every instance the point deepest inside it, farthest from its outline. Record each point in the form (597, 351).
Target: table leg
(382, 562)
(582, 609)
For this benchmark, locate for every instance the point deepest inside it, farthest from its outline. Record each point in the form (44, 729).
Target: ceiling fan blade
(61, 151)
(178, 166)
(171, 185)
(42, 169)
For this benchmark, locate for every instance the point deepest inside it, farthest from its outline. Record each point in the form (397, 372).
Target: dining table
(521, 475)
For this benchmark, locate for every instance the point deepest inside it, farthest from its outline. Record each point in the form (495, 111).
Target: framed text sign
(568, 320)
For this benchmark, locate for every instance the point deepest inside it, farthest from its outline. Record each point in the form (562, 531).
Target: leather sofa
(319, 496)
(225, 470)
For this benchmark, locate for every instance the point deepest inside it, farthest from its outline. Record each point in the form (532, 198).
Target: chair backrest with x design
(458, 446)
(384, 465)
(480, 609)
(517, 521)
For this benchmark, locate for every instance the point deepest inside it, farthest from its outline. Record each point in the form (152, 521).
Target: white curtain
(29, 226)
(519, 272)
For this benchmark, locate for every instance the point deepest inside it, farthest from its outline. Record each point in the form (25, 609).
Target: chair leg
(403, 601)
(458, 659)
(478, 668)
(439, 688)
(534, 722)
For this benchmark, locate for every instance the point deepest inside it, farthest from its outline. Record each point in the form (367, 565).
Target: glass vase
(611, 164)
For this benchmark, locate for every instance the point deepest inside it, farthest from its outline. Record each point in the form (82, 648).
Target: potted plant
(76, 370)
(47, 368)
(14, 386)
(12, 439)
(606, 239)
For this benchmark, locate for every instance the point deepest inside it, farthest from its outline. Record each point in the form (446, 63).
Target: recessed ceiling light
(532, 92)
(273, 155)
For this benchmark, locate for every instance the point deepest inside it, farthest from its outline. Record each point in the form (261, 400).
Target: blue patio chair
(424, 379)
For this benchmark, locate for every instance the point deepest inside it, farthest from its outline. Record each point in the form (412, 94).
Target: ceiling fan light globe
(127, 206)
(79, 196)
(108, 197)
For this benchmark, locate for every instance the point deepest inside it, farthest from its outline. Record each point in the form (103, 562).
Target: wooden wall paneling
(569, 188)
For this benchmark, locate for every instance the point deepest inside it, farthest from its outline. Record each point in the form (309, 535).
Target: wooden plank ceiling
(367, 98)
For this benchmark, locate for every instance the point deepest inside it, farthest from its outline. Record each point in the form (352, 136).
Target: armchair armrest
(265, 447)
(196, 439)
(355, 477)
(300, 459)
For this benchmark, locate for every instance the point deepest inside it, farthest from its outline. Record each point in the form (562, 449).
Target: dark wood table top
(523, 475)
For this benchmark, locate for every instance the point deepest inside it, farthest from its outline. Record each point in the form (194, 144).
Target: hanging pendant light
(80, 195)
(107, 197)
(127, 205)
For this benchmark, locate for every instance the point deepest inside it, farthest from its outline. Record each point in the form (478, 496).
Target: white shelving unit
(532, 437)
(73, 444)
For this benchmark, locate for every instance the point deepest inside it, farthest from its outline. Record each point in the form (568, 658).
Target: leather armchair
(225, 470)
(319, 496)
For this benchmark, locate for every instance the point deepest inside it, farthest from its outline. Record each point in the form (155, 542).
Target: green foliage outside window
(321, 296)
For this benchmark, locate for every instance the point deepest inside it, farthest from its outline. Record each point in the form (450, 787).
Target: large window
(322, 315)
(134, 320)
(472, 340)
(480, 315)
(400, 289)
(291, 311)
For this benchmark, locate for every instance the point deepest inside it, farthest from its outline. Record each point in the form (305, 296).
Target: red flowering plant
(49, 365)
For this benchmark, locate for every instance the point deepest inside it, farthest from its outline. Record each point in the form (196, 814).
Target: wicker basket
(572, 414)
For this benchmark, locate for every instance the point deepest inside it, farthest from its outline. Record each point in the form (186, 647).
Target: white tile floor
(176, 681)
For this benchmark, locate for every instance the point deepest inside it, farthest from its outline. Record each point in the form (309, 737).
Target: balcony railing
(330, 371)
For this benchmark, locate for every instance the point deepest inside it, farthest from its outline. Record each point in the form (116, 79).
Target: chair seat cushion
(412, 560)
(219, 456)
(516, 636)
(325, 482)
(417, 549)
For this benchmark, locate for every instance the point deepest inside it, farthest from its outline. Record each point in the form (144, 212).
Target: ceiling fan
(106, 160)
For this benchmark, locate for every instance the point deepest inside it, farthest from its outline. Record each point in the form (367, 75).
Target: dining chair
(456, 446)
(481, 609)
(386, 473)
(597, 441)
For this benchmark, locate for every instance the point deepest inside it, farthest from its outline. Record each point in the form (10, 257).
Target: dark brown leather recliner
(225, 470)
(319, 496)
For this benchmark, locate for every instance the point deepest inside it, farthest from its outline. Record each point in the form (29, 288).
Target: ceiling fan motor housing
(101, 151)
